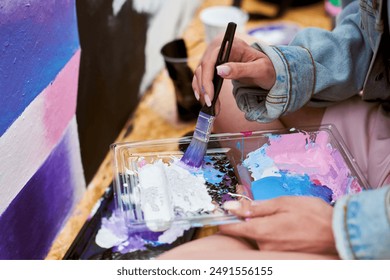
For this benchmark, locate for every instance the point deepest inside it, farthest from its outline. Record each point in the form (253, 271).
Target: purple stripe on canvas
(33, 219)
(31, 138)
(37, 38)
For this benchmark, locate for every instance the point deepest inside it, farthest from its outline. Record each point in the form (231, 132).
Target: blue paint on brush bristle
(193, 156)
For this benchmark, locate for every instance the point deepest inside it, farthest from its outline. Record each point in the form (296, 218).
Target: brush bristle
(193, 156)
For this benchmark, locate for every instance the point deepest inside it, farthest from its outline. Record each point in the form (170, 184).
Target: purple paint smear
(34, 218)
(220, 180)
(123, 239)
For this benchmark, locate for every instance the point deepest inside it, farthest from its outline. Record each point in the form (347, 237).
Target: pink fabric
(365, 128)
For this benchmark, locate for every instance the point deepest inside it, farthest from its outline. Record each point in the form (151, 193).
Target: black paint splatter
(218, 192)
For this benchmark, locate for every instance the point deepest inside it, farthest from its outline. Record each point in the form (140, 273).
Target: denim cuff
(293, 88)
(361, 225)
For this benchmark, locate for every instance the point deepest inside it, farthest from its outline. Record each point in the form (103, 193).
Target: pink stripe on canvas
(28, 142)
(60, 100)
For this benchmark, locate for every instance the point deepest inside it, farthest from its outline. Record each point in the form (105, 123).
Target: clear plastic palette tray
(230, 161)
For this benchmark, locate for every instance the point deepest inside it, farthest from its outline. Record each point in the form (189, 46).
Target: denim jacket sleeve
(361, 225)
(317, 68)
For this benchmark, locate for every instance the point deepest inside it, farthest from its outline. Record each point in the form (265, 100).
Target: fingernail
(196, 95)
(247, 219)
(223, 70)
(232, 205)
(207, 100)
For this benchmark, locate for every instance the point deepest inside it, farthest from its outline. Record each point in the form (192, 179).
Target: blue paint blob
(210, 173)
(287, 185)
(219, 176)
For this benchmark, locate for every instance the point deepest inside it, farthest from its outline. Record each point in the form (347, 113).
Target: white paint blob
(112, 232)
(168, 190)
(155, 197)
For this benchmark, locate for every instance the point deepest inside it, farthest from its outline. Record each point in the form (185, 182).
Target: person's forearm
(341, 57)
(318, 67)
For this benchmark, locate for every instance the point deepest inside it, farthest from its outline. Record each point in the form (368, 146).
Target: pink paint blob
(60, 99)
(300, 153)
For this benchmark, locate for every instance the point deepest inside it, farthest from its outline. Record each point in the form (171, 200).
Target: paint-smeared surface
(113, 239)
(188, 194)
(33, 219)
(267, 166)
(300, 164)
(220, 177)
(114, 234)
(106, 227)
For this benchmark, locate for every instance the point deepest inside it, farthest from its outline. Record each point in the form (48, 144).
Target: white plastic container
(216, 18)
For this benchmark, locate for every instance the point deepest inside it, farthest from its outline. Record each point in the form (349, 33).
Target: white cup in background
(216, 18)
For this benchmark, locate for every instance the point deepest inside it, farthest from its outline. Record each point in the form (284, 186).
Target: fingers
(256, 229)
(240, 208)
(246, 209)
(202, 81)
(285, 223)
(260, 218)
(263, 208)
(259, 72)
(195, 87)
(199, 91)
(203, 76)
(245, 64)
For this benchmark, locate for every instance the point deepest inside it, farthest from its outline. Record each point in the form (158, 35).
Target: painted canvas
(41, 175)
(71, 74)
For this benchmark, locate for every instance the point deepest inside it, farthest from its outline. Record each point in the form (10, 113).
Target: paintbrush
(193, 156)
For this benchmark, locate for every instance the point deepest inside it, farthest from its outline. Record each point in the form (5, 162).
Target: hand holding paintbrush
(193, 156)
